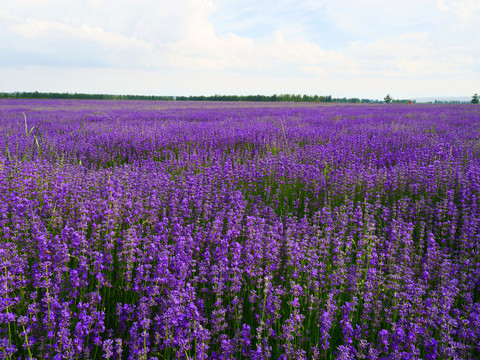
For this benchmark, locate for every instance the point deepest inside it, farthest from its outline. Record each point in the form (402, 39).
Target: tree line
(277, 98)
(254, 98)
(81, 96)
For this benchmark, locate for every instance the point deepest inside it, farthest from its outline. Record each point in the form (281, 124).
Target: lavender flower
(213, 231)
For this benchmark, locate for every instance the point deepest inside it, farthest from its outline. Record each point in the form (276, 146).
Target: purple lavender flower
(215, 231)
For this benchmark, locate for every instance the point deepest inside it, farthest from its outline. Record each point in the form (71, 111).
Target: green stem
(26, 341)
(9, 330)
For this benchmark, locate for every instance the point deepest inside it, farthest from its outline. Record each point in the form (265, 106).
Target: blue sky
(412, 48)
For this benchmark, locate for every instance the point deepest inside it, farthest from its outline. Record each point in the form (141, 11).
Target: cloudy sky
(368, 48)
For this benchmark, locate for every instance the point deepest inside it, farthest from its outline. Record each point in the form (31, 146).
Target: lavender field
(164, 230)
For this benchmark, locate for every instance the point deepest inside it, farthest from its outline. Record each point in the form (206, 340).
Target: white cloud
(405, 43)
(468, 13)
(35, 29)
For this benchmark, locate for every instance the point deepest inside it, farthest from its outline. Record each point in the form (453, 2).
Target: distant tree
(388, 99)
(475, 99)
(216, 97)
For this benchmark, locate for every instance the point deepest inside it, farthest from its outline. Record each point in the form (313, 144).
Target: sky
(343, 48)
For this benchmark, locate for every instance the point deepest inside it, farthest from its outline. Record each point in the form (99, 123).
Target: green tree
(388, 99)
(475, 99)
